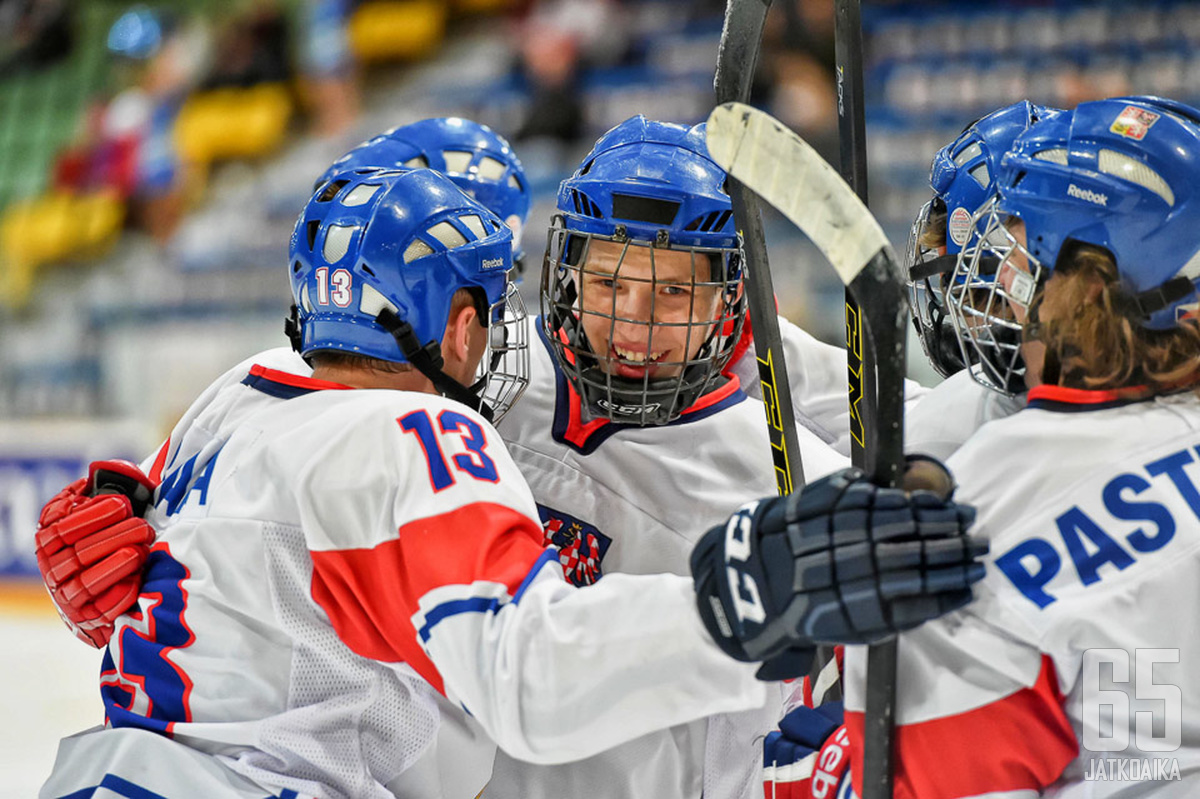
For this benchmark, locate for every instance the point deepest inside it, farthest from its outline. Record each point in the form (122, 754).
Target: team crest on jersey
(1134, 122)
(580, 545)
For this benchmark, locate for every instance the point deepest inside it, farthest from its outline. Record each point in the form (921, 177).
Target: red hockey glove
(808, 757)
(91, 546)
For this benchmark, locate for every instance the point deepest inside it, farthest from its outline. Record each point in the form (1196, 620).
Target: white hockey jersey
(328, 559)
(818, 377)
(622, 498)
(951, 412)
(1070, 675)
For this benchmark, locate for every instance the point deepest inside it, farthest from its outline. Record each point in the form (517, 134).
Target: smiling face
(646, 311)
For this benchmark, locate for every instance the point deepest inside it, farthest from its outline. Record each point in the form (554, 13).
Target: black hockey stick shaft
(872, 382)
(787, 172)
(741, 40)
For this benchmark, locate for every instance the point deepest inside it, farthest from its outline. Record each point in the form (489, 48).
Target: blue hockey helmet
(649, 178)
(376, 257)
(137, 34)
(1120, 174)
(963, 177)
(648, 186)
(476, 158)
(963, 173)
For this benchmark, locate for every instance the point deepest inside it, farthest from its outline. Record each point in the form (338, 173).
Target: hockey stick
(736, 59)
(784, 170)
(852, 137)
(863, 388)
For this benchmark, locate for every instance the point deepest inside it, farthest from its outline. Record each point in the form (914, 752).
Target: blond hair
(933, 236)
(1089, 322)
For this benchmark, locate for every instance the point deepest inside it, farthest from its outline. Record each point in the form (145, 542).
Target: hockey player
(94, 572)
(963, 178)
(1065, 677)
(330, 558)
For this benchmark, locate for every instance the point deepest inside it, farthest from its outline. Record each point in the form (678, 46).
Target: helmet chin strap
(427, 359)
(291, 328)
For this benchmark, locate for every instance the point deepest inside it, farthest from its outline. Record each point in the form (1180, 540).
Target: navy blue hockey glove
(841, 561)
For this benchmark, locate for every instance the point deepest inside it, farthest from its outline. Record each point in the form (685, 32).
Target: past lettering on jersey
(581, 546)
(1118, 520)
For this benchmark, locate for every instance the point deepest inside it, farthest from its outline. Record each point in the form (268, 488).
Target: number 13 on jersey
(475, 462)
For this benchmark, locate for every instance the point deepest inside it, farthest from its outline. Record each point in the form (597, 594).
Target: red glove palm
(92, 545)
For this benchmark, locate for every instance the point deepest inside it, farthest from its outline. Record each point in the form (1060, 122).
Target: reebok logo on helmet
(1087, 194)
(492, 263)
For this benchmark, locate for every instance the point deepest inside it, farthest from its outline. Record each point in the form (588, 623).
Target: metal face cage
(642, 329)
(990, 295)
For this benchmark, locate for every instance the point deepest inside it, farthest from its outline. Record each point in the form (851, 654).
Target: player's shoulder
(277, 360)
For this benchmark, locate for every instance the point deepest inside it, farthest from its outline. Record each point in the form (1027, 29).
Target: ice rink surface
(52, 691)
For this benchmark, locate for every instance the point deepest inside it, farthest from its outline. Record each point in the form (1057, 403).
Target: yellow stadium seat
(232, 122)
(385, 30)
(50, 228)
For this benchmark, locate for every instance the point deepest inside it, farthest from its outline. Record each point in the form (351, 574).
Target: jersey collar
(285, 385)
(585, 437)
(1081, 400)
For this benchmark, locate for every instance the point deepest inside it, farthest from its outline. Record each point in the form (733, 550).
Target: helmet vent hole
(1122, 166)
(492, 169)
(311, 229)
(419, 162)
(366, 270)
(296, 267)
(980, 173)
(650, 210)
(337, 242)
(331, 190)
(448, 235)
(457, 162)
(1055, 155)
(360, 194)
(585, 206)
(513, 183)
(418, 249)
(709, 222)
(474, 224)
(968, 153)
(372, 302)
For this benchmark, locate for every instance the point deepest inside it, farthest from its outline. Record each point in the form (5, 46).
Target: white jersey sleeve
(619, 499)
(817, 373)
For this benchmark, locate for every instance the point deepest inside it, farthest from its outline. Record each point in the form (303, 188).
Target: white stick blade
(779, 166)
